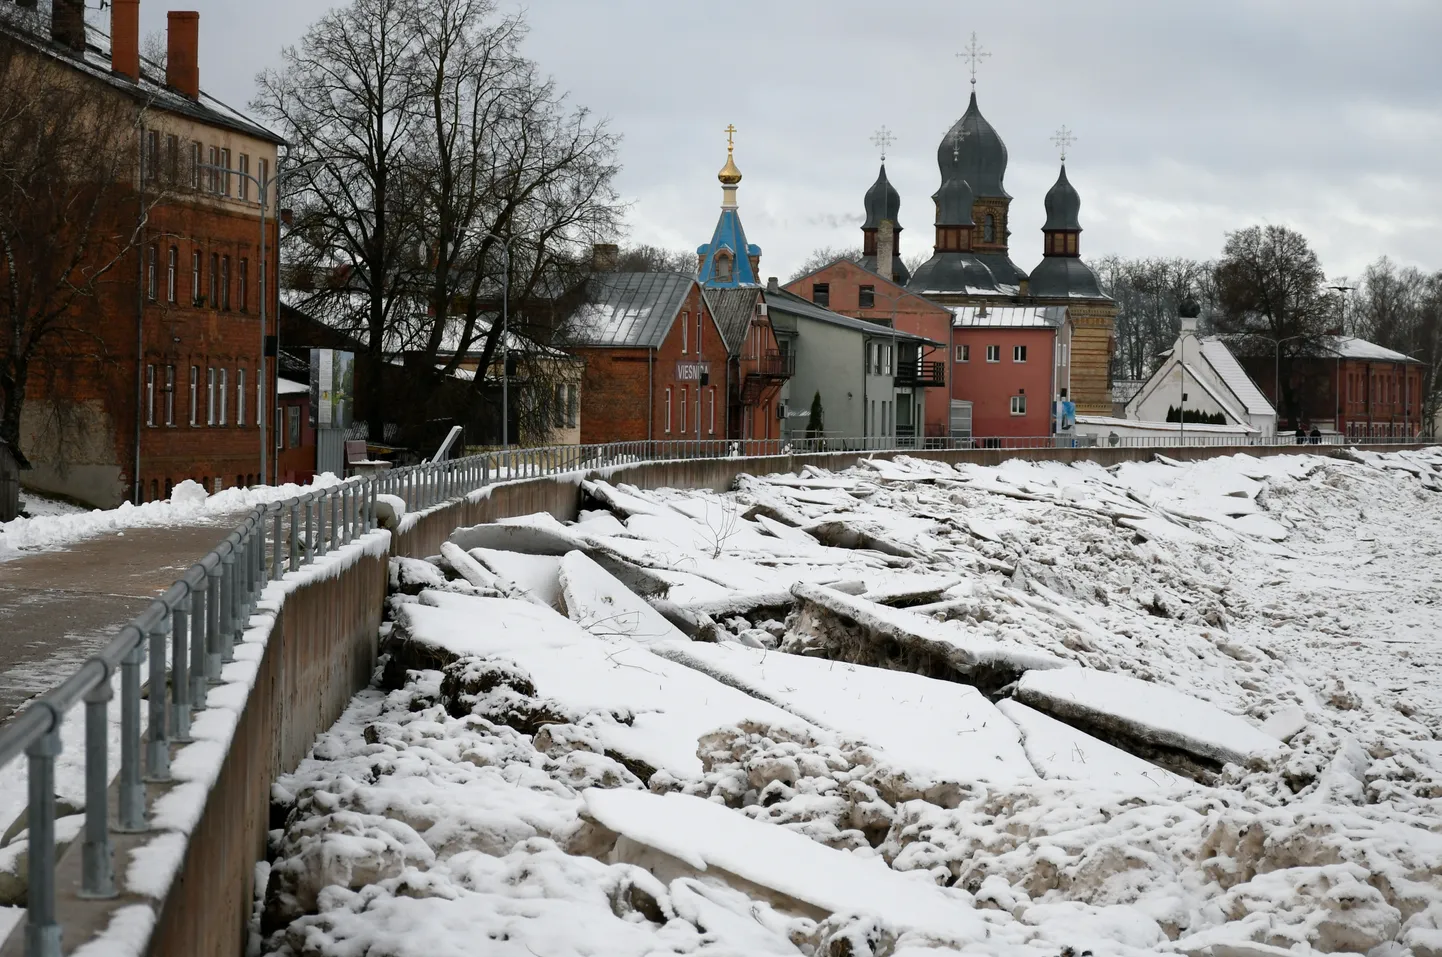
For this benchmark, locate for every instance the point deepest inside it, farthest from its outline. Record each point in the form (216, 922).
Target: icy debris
(1172, 728)
(862, 632)
(1286, 723)
(841, 534)
(538, 534)
(389, 510)
(536, 576)
(1061, 752)
(602, 605)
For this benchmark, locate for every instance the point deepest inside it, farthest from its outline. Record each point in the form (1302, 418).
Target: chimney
(67, 24)
(885, 248)
(125, 38)
(772, 285)
(604, 256)
(182, 52)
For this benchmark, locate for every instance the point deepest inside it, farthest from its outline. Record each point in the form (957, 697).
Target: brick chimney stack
(885, 248)
(125, 38)
(182, 52)
(604, 256)
(67, 24)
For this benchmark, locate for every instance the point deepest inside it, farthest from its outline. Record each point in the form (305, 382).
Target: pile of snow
(189, 504)
(1026, 710)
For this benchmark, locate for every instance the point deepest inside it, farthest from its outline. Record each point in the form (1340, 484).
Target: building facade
(168, 385)
(1008, 367)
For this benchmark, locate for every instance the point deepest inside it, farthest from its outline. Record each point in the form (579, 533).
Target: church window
(866, 297)
(723, 268)
(821, 293)
(988, 231)
(1071, 243)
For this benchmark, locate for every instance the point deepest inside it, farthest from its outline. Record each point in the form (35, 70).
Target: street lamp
(1188, 310)
(1277, 373)
(1337, 388)
(262, 413)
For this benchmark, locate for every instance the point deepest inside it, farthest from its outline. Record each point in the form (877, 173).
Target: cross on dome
(730, 132)
(975, 54)
(882, 139)
(1063, 139)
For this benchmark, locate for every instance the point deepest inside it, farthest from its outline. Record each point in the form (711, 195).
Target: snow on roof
(1350, 347)
(1108, 421)
(1008, 317)
(290, 387)
(1230, 371)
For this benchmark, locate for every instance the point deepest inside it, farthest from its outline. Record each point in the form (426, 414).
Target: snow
(57, 526)
(1215, 729)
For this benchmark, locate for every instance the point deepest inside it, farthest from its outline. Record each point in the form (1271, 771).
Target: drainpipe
(137, 492)
(650, 394)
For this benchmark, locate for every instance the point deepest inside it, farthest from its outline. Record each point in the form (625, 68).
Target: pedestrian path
(58, 607)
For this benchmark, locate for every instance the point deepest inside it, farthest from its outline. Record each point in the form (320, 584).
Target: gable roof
(1230, 371)
(629, 309)
(151, 89)
(866, 265)
(733, 310)
(789, 302)
(1008, 317)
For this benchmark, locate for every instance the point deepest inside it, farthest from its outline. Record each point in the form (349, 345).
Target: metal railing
(920, 373)
(199, 619)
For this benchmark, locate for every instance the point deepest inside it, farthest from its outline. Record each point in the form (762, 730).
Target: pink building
(1006, 362)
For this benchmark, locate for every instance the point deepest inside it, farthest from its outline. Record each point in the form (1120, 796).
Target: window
(988, 229)
(212, 178)
(1018, 353)
(214, 279)
(194, 393)
(884, 417)
(225, 282)
(244, 183)
(821, 293)
(152, 274)
(573, 397)
(668, 408)
(195, 278)
(152, 155)
(240, 397)
(172, 263)
(210, 396)
(866, 297)
(195, 166)
(262, 173)
(225, 177)
(279, 429)
(963, 353)
(993, 353)
(244, 284)
(711, 421)
(1018, 405)
(886, 359)
(224, 396)
(1071, 243)
(292, 422)
(170, 395)
(558, 410)
(1066, 354)
(150, 394)
(685, 398)
(723, 268)
(172, 159)
(685, 332)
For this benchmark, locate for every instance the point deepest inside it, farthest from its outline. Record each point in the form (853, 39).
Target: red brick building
(172, 390)
(656, 363)
(757, 367)
(851, 289)
(1005, 363)
(294, 435)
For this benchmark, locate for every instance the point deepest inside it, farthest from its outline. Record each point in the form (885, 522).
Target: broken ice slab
(600, 603)
(538, 534)
(922, 726)
(1060, 752)
(664, 707)
(1164, 725)
(538, 576)
(682, 836)
(847, 628)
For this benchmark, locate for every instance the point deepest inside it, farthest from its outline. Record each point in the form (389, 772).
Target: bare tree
(1401, 308)
(1148, 293)
(345, 99)
(646, 258)
(69, 214)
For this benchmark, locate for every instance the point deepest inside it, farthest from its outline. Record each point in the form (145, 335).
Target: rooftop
(779, 300)
(1008, 317)
(629, 309)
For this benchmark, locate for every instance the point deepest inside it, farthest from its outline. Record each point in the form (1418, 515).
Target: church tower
(1061, 273)
(728, 261)
(883, 204)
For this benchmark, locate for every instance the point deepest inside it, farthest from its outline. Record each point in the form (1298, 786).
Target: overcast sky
(1192, 117)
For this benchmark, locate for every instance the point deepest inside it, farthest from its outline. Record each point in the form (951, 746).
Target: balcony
(765, 372)
(921, 375)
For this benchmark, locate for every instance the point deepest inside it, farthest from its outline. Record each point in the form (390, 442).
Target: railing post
(214, 612)
(42, 933)
(309, 554)
(180, 672)
(157, 741)
(227, 608)
(275, 552)
(294, 537)
(97, 865)
(198, 620)
(132, 791)
(320, 529)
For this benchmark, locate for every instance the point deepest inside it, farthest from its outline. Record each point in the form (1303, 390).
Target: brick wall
(989, 386)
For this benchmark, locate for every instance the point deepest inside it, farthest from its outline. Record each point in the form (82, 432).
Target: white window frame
(244, 184)
(194, 396)
(668, 410)
(573, 405)
(170, 395)
(172, 266)
(210, 395)
(223, 394)
(240, 398)
(196, 262)
(1018, 405)
(963, 353)
(685, 398)
(685, 333)
(993, 353)
(1018, 353)
(150, 394)
(711, 422)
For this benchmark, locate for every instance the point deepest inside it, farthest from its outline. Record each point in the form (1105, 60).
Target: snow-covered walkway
(1034, 709)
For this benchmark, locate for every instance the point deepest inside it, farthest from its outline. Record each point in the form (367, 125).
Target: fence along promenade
(188, 633)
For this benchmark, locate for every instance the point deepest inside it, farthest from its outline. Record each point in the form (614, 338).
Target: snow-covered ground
(1034, 709)
(51, 524)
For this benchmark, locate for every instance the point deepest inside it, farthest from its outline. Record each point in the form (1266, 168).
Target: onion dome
(1063, 205)
(972, 151)
(730, 174)
(882, 202)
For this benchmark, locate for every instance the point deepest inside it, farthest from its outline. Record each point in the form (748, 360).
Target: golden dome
(729, 175)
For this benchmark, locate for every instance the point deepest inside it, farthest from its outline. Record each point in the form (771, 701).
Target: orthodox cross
(730, 131)
(975, 54)
(1062, 140)
(882, 138)
(956, 138)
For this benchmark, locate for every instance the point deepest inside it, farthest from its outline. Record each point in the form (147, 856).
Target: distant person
(1301, 436)
(1316, 436)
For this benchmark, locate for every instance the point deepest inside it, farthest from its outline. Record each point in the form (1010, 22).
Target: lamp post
(1277, 373)
(1188, 310)
(505, 340)
(261, 412)
(1342, 289)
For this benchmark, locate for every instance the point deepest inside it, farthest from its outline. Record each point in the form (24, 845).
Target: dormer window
(988, 229)
(723, 267)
